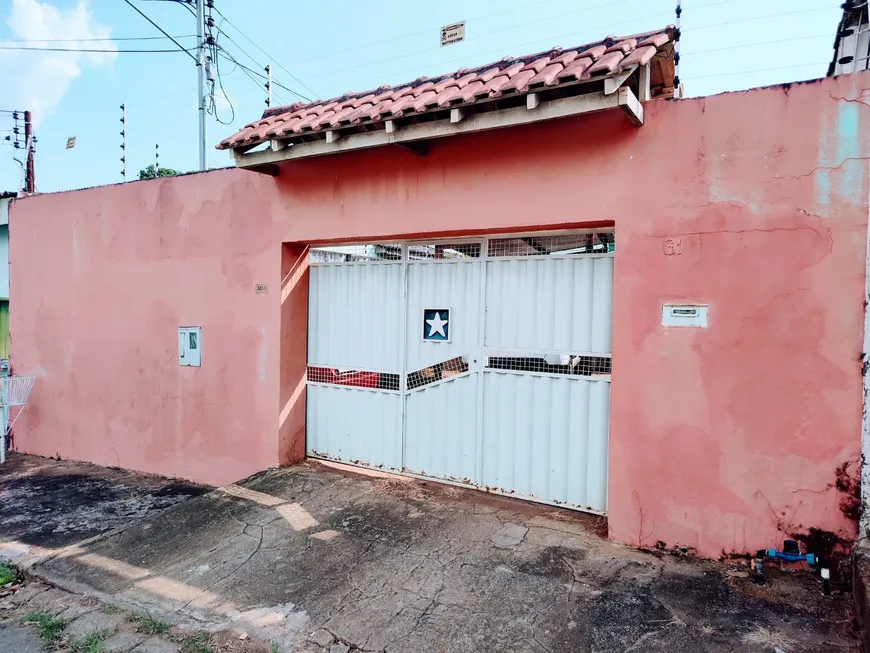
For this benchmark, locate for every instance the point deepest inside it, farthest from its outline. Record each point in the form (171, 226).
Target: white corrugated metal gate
(484, 362)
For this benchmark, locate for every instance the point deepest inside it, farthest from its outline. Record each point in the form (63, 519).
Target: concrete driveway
(315, 559)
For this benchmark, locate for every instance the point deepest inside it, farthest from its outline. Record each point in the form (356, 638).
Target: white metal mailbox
(684, 315)
(190, 346)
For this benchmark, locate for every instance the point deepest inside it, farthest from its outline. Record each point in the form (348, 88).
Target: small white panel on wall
(684, 315)
(190, 346)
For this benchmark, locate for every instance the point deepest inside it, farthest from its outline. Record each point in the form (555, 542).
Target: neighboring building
(852, 42)
(538, 277)
(5, 199)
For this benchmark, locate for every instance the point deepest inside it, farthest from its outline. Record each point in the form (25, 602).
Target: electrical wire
(752, 18)
(250, 71)
(165, 33)
(429, 31)
(119, 38)
(217, 65)
(371, 81)
(268, 56)
(500, 50)
(752, 45)
(187, 50)
(759, 70)
(183, 3)
(256, 81)
(480, 36)
(600, 28)
(229, 38)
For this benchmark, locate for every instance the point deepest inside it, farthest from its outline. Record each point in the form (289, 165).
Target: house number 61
(673, 247)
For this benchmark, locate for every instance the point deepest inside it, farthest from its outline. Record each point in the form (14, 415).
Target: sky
(353, 46)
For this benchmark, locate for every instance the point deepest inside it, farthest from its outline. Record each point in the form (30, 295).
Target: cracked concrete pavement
(314, 559)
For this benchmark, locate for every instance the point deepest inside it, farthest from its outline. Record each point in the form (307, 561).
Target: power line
(183, 3)
(760, 70)
(217, 65)
(226, 53)
(497, 31)
(163, 31)
(250, 74)
(752, 45)
(268, 56)
(119, 38)
(500, 50)
(751, 18)
(250, 71)
(2, 47)
(423, 32)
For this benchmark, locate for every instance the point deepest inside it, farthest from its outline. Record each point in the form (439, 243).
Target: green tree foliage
(152, 172)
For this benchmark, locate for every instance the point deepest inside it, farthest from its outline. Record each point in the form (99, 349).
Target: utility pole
(124, 141)
(29, 179)
(201, 82)
(678, 93)
(269, 85)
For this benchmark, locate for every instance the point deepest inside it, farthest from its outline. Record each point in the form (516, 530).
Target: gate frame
(478, 363)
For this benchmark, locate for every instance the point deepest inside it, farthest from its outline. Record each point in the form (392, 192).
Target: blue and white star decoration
(436, 325)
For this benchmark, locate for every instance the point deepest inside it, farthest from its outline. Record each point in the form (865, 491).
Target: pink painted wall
(720, 438)
(103, 279)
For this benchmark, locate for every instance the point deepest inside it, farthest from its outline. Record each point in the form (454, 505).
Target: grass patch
(93, 643)
(197, 644)
(110, 609)
(148, 625)
(7, 574)
(48, 626)
(274, 648)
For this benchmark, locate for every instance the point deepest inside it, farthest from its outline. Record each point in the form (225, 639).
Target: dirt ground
(311, 559)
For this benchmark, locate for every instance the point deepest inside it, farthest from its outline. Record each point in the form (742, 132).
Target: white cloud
(38, 80)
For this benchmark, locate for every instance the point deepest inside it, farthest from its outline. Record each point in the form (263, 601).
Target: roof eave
(611, 92)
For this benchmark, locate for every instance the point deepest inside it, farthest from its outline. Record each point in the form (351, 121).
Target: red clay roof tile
(575, 70)
(640, 56)
(484, 83)
(606, 64)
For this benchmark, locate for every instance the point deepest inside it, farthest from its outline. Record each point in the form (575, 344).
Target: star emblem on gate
(436, 324)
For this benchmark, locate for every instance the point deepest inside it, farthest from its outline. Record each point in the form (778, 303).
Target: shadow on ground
(305, 555)
(50, 503)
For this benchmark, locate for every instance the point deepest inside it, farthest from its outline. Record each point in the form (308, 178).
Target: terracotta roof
(540, 71)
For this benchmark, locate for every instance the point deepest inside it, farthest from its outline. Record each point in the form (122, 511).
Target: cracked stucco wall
(722, 438)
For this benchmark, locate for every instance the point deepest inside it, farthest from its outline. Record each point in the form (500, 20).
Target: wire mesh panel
(444, 251)
(437, 372)
(14, 390)
(354, 378)
(574, 244)
(548, 363)
(356, 253)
